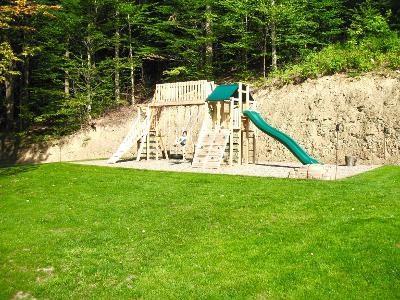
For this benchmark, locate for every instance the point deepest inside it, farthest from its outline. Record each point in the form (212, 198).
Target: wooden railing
(182, 93)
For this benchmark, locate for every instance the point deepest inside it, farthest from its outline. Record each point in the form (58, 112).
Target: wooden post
(240, 92)
(147, 147)
(223, 113)
(167, 129)
(254, 146)
(247, 142)
(148, 143)
(247, 125)
(156, 136)
(231, 106)
(213, 114)
(247, 97)
(219, 113)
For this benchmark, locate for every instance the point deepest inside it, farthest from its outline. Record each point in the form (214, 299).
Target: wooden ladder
(210, 151)
(152, 147)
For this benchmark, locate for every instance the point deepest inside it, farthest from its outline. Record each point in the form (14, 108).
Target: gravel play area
(268, 169)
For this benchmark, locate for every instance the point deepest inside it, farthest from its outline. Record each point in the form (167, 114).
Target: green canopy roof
(223, 92)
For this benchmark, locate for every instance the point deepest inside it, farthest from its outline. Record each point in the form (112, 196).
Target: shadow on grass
(16, 169)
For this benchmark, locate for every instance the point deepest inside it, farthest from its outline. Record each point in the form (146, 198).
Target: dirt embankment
(97, 141)
(367, 110)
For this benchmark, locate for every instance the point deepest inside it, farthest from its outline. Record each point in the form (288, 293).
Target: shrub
(371, 53)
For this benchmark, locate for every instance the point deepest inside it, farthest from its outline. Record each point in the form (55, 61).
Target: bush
(372, 45)
(368, 54)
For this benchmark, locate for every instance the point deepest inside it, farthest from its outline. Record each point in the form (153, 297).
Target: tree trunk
(143, 79)
(246, 54)
(131, 63)
(66, 78)
(26, 78)
(24, 99)
(116, 58)
(89, 81)
(274, 64)
(209, 47)
(90, 63)
(265, 53)
(9, 102)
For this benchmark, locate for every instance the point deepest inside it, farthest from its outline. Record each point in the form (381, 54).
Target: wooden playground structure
(210, 115)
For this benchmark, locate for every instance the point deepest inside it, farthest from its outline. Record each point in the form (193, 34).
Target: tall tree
(209, 38)
(13, 26)
(117, 38)
(274, 55)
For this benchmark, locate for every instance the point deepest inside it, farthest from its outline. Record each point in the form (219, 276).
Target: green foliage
(7, 61)
(368, 21)
(373, 52)
(84, 46)
(176, 73)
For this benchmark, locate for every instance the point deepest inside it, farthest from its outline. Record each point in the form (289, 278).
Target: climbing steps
(246, 144)
(139, 129)
(151, 147)
(211, 148)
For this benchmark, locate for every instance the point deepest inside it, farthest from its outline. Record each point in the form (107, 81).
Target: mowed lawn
(73, 231)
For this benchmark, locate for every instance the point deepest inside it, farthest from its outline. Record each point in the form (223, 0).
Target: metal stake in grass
(337, 148)
(385, 133)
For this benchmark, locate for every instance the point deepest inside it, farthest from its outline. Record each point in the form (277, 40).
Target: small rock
(23, 295)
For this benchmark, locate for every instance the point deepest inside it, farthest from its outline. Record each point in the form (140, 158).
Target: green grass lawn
(72, 231)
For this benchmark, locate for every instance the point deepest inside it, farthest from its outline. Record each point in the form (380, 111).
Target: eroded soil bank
(367, 110)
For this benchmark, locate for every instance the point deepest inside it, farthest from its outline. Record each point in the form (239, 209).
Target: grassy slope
(125, 233)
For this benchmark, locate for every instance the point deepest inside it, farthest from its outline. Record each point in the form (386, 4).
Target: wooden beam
(177, 103)
(213, 112)
(247, 142)
(219, 113)
(156, 142)
(240, 92)
(254, 147)
(231, 106)
(247, 97)
(255, 130)
(148, 146)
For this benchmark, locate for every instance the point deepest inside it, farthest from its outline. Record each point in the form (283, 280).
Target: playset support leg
(246, 125)
(240, 92)
(254, 147)
(219, 113)
(247, 97)
(148, 145)
(156, 144)
(231, 109)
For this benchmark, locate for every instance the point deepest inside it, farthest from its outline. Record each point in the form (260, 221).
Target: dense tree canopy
(63, 62)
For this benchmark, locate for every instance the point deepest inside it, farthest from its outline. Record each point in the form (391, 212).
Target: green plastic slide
(286, 140)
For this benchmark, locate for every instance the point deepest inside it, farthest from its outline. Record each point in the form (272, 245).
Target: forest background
(65, 62)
